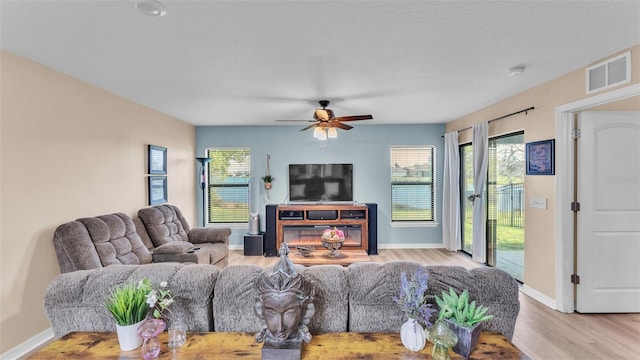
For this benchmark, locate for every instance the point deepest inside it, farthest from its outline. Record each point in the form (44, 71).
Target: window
(412, 184)
(228, 184)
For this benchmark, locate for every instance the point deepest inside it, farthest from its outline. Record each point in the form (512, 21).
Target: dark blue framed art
(540, 157)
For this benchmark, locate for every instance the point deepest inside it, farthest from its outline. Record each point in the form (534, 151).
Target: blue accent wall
(366, 147)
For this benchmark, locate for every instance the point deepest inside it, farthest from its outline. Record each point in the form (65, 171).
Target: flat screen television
(321, 182)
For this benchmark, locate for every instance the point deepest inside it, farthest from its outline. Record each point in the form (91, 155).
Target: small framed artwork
(540, 157)
(157, 190)
(157, 160)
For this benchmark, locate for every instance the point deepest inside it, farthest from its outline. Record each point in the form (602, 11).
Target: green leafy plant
(457, 308)
(128, 304)
(268, 178)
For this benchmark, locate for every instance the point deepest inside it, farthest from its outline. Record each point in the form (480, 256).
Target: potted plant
(268, 179)
(128, 306)
(412, 301)
(464, 319)
(131, 304)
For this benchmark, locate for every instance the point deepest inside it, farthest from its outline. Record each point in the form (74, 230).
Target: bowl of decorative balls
(332, 239)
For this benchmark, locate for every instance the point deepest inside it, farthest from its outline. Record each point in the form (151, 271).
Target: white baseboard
(540, 297)
(28, 346)
(236, 247)
(411, 246)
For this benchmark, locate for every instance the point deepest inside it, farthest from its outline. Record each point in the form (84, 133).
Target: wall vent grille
(609, 73)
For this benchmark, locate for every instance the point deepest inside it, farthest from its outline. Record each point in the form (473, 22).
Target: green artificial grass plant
(128, 303)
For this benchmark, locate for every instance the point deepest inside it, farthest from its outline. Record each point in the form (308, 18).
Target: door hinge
(575, 279)
(575, 206)
(575, 134)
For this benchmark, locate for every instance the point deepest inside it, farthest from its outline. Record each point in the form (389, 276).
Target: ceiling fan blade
(354, 118)
(341, 125)
(295, 120)
(308, 127)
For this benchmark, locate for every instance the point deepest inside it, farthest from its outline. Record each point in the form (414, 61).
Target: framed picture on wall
(157, 160)
(157, 190)
(540, 157)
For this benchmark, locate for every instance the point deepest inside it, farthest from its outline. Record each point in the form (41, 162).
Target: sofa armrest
(209, 235)
(175, 247)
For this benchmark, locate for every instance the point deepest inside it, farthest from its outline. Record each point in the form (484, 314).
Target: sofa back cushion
(73, 301)
(235, 297)
(95, 242)
(372, 287)
(490, 287)
(164, 224)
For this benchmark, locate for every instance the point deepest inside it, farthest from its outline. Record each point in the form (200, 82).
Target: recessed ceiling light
(149, 7)
(515, 71)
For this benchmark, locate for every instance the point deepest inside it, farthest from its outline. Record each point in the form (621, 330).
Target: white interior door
(608, 246)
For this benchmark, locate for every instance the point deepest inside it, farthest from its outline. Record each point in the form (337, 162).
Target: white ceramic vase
(412, 335)
(128, 336)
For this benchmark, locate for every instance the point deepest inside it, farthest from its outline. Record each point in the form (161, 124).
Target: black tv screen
(320, 182)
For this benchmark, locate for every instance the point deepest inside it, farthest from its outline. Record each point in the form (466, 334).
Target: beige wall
(539, 124)
(70, 150)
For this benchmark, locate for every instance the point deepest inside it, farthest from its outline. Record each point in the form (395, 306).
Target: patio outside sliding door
(505, 204)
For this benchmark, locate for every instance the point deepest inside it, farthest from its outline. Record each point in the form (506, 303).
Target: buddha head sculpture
(284, 303)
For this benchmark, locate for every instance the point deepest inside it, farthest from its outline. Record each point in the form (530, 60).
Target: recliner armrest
(209, 235)
(175, 247)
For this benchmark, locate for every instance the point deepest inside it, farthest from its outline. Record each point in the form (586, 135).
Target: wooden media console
(304, 224)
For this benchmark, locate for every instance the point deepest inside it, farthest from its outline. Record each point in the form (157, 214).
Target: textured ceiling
(252, 62)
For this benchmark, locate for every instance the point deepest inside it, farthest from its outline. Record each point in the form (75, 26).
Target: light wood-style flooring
(542, 333)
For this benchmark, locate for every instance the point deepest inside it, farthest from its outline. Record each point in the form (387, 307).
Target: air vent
(610, 73)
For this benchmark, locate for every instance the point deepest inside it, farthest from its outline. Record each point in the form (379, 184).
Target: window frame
(415, 222)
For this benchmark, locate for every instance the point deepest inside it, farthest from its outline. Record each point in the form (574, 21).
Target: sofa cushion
(176, 247)
(490, 287)
(331, 300)
(73, 301)
(234, 299)
(372, 287)
(116, 240)
(163, 224)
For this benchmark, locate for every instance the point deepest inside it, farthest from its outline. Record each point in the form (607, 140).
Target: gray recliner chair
(170, 232)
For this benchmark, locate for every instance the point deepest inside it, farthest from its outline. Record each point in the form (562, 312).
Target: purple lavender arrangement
(412, 297)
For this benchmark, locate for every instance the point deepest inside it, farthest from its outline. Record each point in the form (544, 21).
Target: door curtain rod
(525, 111)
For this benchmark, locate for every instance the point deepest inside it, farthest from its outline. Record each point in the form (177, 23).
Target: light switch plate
(538, 202)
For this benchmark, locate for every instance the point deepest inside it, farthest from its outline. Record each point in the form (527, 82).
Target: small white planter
(128, 336)
(412, 335)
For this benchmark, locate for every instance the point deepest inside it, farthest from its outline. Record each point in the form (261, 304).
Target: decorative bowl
(305, 250)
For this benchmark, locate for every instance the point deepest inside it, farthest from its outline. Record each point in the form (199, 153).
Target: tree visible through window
(228, 184)
(412, 184)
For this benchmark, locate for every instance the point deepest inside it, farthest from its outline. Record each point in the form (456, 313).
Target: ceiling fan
(325, 122)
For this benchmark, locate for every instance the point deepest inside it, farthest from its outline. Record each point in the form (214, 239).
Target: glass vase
(177, 333)
(151, 348)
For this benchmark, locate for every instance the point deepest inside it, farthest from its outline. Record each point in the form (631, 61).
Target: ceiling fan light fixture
(316, 131)
(515, 71)
(332, 133)
(322, 135)
(150, 7)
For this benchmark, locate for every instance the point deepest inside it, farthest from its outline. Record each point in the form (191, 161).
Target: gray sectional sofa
(358, 298)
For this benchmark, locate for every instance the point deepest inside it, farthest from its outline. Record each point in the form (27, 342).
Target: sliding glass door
(505, 204)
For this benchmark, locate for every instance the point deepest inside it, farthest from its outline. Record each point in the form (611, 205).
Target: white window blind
(228, 184)
(412, 185)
